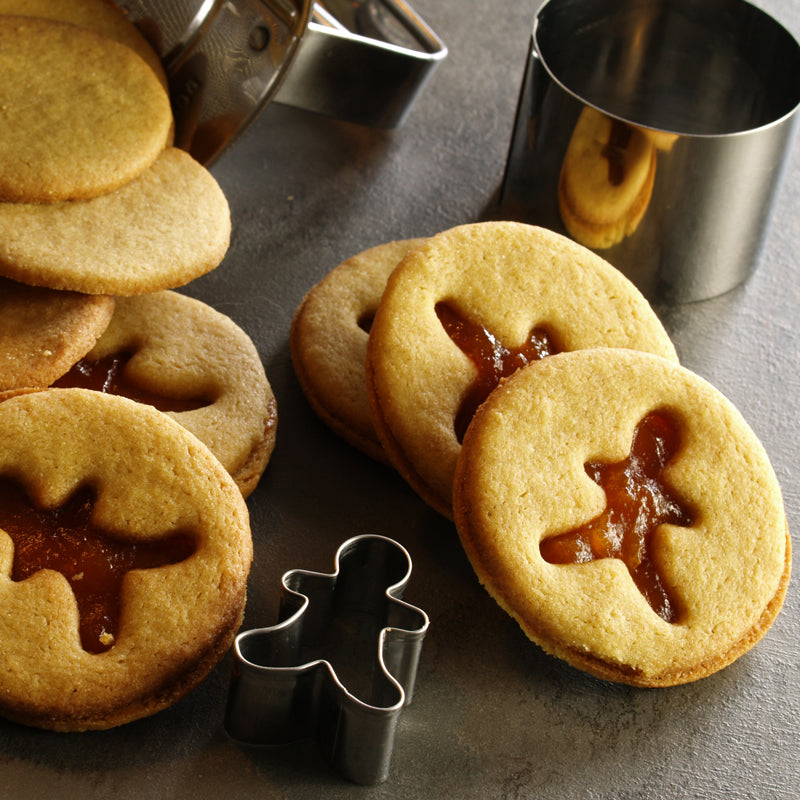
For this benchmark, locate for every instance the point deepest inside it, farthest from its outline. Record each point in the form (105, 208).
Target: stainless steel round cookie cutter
(362, 61)
(708, 91)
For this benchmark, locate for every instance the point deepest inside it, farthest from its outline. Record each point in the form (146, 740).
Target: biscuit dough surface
(82, 114)
(162, 230)
(184, 348)
(43, 332)
(521, 479)
(152, 479)
(507, 277)
(101, 16)
(329, 341)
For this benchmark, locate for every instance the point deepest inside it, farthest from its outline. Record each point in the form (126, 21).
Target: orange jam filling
(64, 539)
(493, 360)
(637, 502)
(108, 375)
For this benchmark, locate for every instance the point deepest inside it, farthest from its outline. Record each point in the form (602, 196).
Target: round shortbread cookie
(43, 332)
(161, 230)
(152, 480)
(100, 16)
(182, 348)
(328, 342)
(82, 114)
(523, 478)
(508, 278)
(606, 180)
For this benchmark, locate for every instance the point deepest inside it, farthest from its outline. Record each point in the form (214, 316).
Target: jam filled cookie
(161, 230)
(465, 310)
(606, 180)
(124, 554)
(43, 333)
(623, 512)
(82, 114)
(329, 342)
(196, 365)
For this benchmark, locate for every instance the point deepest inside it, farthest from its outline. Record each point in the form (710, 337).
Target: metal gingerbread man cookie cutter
(339, 666)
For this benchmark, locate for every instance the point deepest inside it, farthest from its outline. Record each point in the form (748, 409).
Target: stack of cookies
(134, 420)
(613, 502)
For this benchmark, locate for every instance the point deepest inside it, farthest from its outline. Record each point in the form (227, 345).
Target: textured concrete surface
(493, 717)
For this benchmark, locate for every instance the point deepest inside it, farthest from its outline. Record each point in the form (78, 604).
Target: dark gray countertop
(493, 716)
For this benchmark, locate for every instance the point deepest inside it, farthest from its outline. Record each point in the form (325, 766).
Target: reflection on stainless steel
(339, 666)
(363, 62)
(708, 95)
(390, 21)
(224, 61)
(606, 180)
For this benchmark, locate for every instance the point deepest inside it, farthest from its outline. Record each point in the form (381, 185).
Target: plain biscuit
(161, 230)
(82, 114)
(100, 16)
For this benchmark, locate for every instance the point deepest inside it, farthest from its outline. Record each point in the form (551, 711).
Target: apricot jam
(108, 375)
(64, 539)
(491, 358)
(637, 502)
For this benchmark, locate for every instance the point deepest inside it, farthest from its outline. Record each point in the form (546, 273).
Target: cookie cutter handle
(362, 61)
